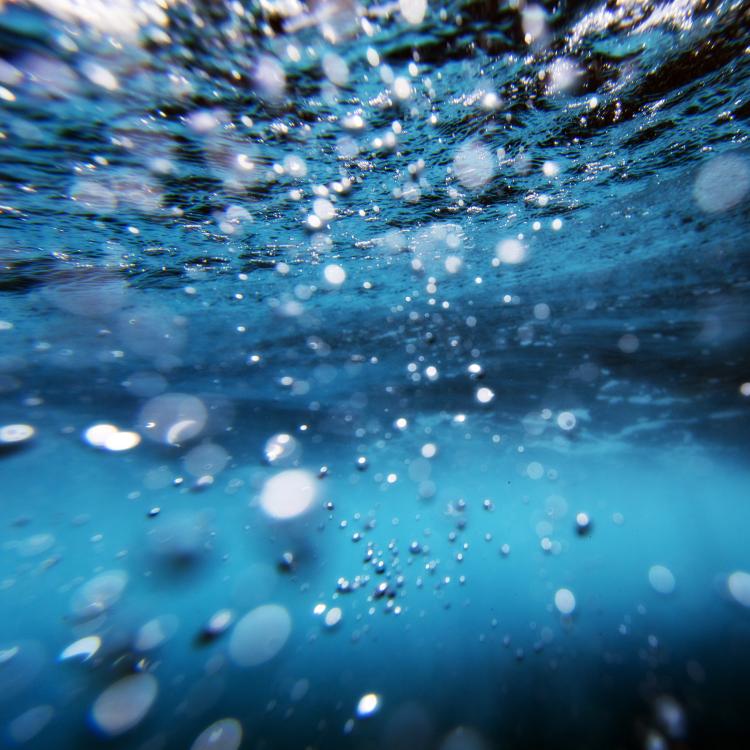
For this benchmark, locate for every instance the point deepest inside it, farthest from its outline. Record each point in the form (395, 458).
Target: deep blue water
(409, 342)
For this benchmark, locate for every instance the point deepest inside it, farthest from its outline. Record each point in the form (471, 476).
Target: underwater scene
(374, 375)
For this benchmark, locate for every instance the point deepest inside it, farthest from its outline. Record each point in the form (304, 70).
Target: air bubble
(260, 635)
(661, 579)
(368, 705)
(225, 734)
(565, 601)
(413, 11)
(15, 434)
(124, 704)
(484, 395)
(289, 494)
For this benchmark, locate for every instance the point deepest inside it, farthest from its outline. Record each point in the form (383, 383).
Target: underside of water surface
(374, 376)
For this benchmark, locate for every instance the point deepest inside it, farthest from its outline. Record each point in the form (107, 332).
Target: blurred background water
(374, 376)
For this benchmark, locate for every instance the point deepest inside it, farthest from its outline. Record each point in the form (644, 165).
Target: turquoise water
(374, 376)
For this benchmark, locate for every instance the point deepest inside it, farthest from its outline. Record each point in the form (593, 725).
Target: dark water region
(374, 376)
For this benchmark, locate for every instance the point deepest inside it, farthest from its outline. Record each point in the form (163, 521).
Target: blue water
(408, 341)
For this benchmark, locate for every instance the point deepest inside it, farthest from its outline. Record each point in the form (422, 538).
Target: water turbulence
(374, 375)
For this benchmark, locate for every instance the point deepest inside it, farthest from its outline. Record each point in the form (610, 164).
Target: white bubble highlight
(566, 420)
(125, 704)
(738, 584)
(722, 183)
(473, 165)
(661, 579)
(289, 494)
(260, 635)
(172, 418)
(368, 705)
(565, 601)
(413, 11)
(99, 594)
(11, 434)
(511, 251)
(334, 275)
(83, 649)
(484, 395)
(225, 734)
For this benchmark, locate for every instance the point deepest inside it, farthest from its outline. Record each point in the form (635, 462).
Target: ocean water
(374, 376)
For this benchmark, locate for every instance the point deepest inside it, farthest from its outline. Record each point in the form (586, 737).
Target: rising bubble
(225, 734)
(260, 635)
(124, 704)
(289, 494)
